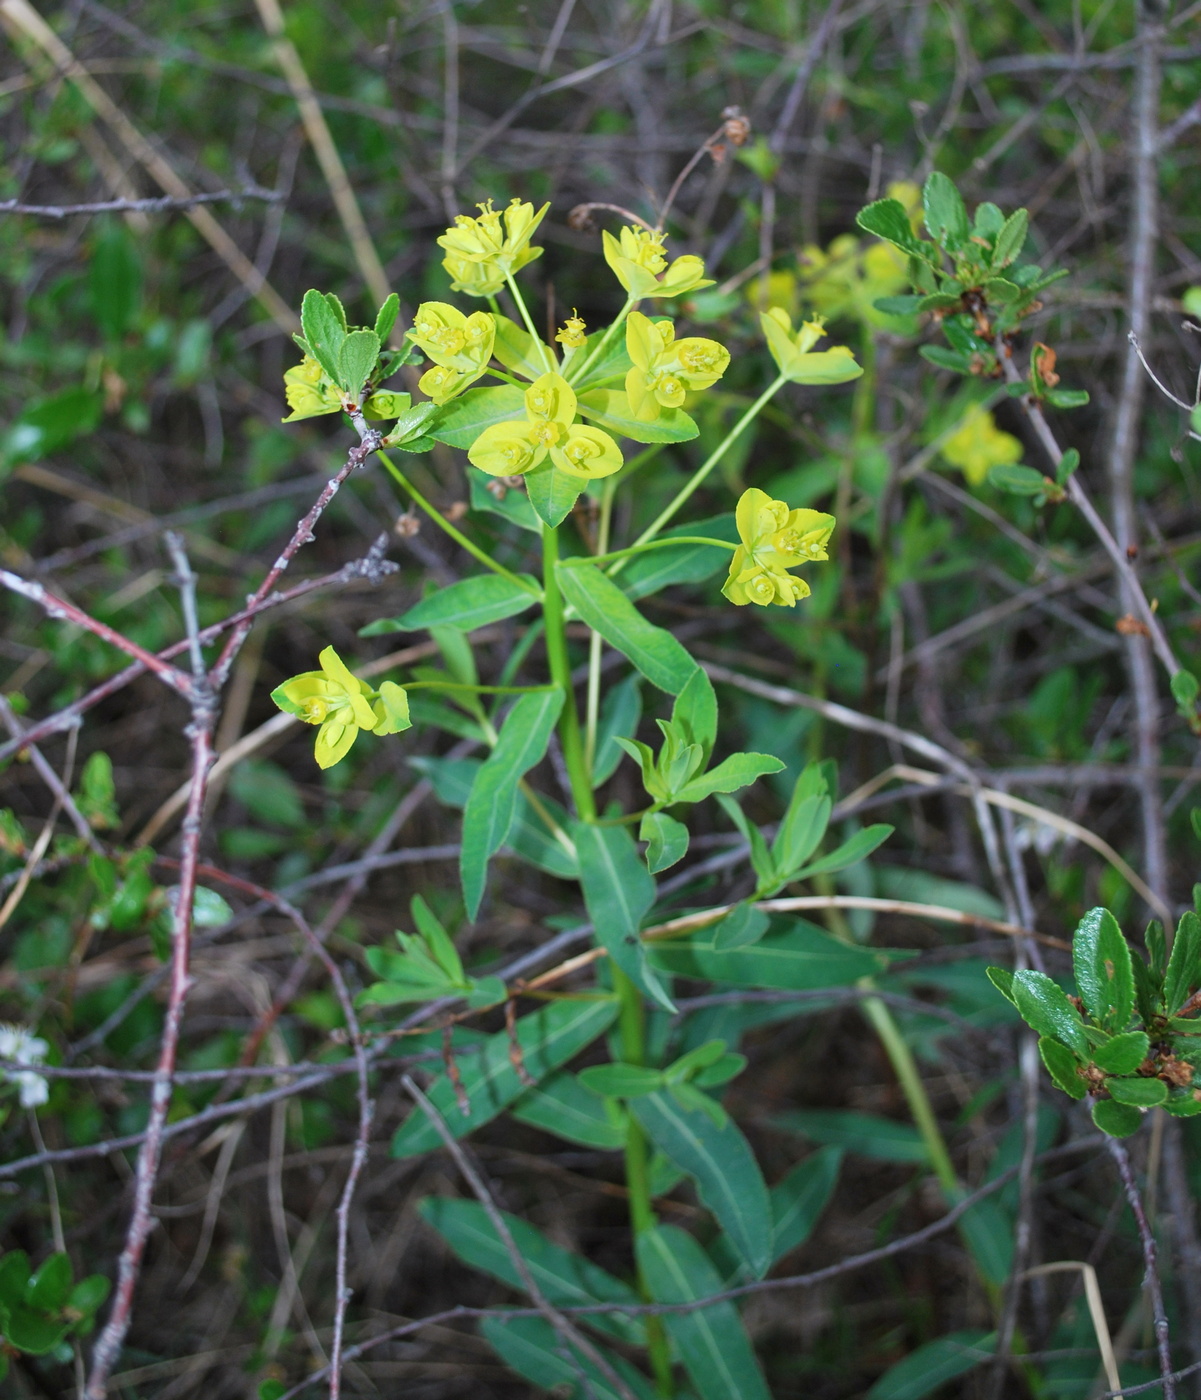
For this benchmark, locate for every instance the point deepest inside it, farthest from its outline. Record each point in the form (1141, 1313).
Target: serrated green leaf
(1045, 1007)
(33, 1332)
(490, 809)
(323, 332)
(547, 1037)
(946, 216)
(1142, 1093)
(618, 891)
(1117, 1119)
(466, 605)
(887, 219)
(1183, 974)
(721, 1162)
(610, 409)
(386, 317)
(1061, 1065)
(565, 1279)
(607, 610)
(1010, 239)
(1101, 966)
(712, 1342)
(562, 1106)
(356, 360)
(1123, 1054)
(1002, 979)
(666, 841)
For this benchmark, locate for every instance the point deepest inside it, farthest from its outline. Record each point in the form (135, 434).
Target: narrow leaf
(548, 1038)
(923, 1371)
(795, 955)
(731, 775)
(620, 712)
(851, 852)
(1184, 966)
(491, 806)
(799, 1199)
(720, 1161)
(532, 1347)
(606, 609)
(712, 1342)
(466, 605)
(562, 1106)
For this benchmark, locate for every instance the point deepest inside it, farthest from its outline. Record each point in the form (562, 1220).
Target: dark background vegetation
(937, 614)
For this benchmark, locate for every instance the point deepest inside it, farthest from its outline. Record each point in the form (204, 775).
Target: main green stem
(631, 1015)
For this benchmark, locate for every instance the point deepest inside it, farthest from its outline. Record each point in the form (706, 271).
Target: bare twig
(159, 205)
(1151, 1280)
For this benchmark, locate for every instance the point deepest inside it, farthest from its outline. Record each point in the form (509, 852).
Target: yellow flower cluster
(978, 445)
(482, 253)
(309, 391)
(460, 347)
(342, 705)
(639, 261)
(665, 368)
(774, 539)
(794, 354)
(549, 429)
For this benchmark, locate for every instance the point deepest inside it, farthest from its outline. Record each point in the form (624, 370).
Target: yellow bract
(573, 333)
(460, 347)
(793, 351)
(513, 448)
(666, 368)
(774, 540)
(482, 252)
(639, 261)
(979, 444)
(342, 705)
(308, 392)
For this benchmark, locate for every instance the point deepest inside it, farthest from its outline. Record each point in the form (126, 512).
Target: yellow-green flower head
(482, 252)
(573, 332)
(460, 347)
(308, 392)
(639, 261)
(774, 540)
(665, 368)
(514, 448)
(978, 445)
(794, 355)
(342, 705)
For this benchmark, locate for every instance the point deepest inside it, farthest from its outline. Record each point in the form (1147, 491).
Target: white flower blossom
(16, 1043)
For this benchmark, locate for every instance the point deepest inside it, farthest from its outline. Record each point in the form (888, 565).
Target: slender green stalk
(560, 671)
(707, 466)
(631, 1031)
(457, 535)
(580, 561)
(478, 689)
(619, 319)
(592, 711)
(548, 355)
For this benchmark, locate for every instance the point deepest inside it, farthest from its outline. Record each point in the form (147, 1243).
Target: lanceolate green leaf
(470, 603)
(548, 1038)
(618, 891)
(620, 713)
(724, 1168)
(851, 852)
(564, 1278)
(732, 774)
(712, 1342)
(923, 1371)
(532, 1347)
(607, 610)
(795, 955)
(799, 1199)
(490, 808)
(465, 418)
(561, 1105)
(610, 409)
(1101, 964)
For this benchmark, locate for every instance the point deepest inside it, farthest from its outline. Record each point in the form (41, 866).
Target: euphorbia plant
(549, 429)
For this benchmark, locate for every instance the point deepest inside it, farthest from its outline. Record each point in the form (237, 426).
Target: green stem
(457, 535)
(905, 1068)
(579, 560)
(560, 671)
(548, 355)
(707, 466)
(592, 711)
(631, 1032)
(578, 374)
(478, 689)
